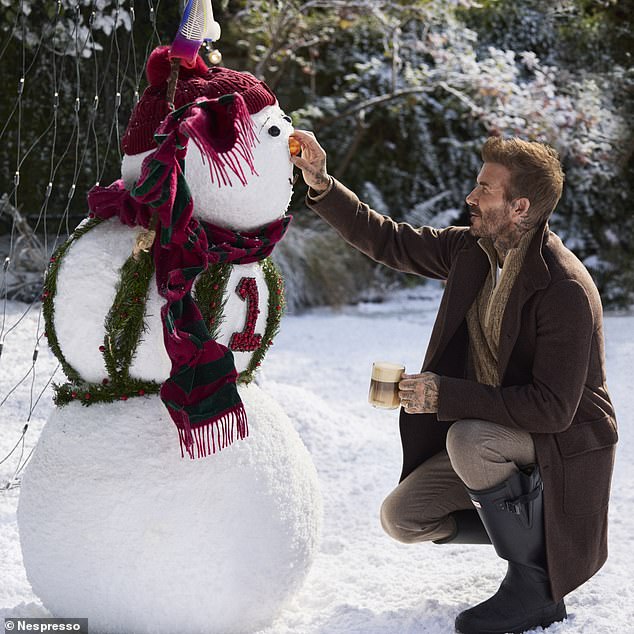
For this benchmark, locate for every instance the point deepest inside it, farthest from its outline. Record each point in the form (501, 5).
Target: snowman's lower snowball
(117, 527)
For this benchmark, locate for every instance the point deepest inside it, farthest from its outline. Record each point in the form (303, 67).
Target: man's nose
(471, 198)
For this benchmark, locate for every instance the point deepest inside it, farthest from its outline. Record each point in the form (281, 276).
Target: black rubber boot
(469, 529)
(512, 513)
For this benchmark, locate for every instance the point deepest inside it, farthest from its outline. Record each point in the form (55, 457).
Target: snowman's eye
(287, 118)
(274, 131)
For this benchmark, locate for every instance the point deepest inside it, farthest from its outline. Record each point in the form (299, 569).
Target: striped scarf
(200, 394)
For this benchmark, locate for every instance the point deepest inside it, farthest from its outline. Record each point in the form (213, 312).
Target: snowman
(168, 493)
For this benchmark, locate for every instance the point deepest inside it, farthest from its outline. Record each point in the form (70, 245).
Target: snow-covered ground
(362, 581)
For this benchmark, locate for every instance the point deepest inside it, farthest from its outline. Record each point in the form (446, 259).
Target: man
(510, 413)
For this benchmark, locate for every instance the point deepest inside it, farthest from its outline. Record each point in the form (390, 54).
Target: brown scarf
(484, 318)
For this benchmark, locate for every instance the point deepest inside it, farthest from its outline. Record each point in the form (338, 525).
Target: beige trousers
(479, 455)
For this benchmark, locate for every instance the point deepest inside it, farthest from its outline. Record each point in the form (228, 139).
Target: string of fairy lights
(117, 59)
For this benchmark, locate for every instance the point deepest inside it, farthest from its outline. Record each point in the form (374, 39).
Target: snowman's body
(114, 524)
(90, 271)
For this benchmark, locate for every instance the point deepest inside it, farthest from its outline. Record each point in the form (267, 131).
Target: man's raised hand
(312, 161)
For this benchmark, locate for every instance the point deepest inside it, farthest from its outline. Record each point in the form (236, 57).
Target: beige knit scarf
(484, 318)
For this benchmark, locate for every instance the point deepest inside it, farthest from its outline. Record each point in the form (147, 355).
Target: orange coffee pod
(294, 146)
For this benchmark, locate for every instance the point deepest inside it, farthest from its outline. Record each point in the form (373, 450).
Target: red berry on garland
(73, 394)
(105, 381)
(102, 348)
(87, 396)
(123, 397)
(141, 392)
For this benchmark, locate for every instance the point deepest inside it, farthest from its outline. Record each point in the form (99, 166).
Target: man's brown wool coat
(551, 363)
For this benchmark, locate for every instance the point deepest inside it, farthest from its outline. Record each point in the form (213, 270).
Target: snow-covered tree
(402, 95)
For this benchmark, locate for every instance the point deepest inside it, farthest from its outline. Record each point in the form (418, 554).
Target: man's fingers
(303, 134)
(300, 162)
(308, 141)
(311, 161)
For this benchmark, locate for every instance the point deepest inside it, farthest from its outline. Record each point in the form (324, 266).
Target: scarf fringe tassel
(215, 435)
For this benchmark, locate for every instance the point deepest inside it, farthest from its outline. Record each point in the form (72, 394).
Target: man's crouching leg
(498, 467)
(426, 504)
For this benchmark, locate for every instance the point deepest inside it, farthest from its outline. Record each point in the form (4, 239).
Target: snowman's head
(257, 183)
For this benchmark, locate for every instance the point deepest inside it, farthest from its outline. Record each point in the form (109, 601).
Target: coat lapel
(533, 276)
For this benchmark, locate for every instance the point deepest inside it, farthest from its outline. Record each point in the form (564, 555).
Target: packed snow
(361, 581)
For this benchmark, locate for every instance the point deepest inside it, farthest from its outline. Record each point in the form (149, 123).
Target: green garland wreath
(49, 291)
(124, 323)
(209, 292)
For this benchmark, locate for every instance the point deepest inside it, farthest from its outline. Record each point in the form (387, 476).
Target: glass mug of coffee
(384, 385)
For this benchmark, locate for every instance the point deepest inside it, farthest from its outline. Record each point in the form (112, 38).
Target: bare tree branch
(374, 101)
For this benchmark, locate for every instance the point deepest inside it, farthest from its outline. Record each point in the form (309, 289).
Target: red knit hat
(198, 81)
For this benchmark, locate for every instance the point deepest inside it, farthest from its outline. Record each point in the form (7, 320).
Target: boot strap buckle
(515, 506)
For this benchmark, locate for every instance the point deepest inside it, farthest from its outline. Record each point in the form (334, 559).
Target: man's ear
(521, 208)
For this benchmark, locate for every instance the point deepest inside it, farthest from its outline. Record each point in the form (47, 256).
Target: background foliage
(401, 94)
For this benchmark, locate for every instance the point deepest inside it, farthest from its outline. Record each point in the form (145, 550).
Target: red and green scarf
(200, 394)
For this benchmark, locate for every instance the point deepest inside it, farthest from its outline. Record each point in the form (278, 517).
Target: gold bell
(214, 56)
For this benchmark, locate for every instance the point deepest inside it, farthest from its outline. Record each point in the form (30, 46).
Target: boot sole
(548, 616)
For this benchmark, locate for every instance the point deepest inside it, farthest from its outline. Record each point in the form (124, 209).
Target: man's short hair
(535, 169)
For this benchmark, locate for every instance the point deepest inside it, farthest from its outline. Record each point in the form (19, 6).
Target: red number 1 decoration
(247, 340)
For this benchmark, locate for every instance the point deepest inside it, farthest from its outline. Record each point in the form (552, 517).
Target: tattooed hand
(419, 393)
(312, 161)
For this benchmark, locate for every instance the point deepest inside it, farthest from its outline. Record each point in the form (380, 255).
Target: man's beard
(475, 216)
(495, 227)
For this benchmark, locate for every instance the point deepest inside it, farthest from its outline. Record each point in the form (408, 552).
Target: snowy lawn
(362, 581)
